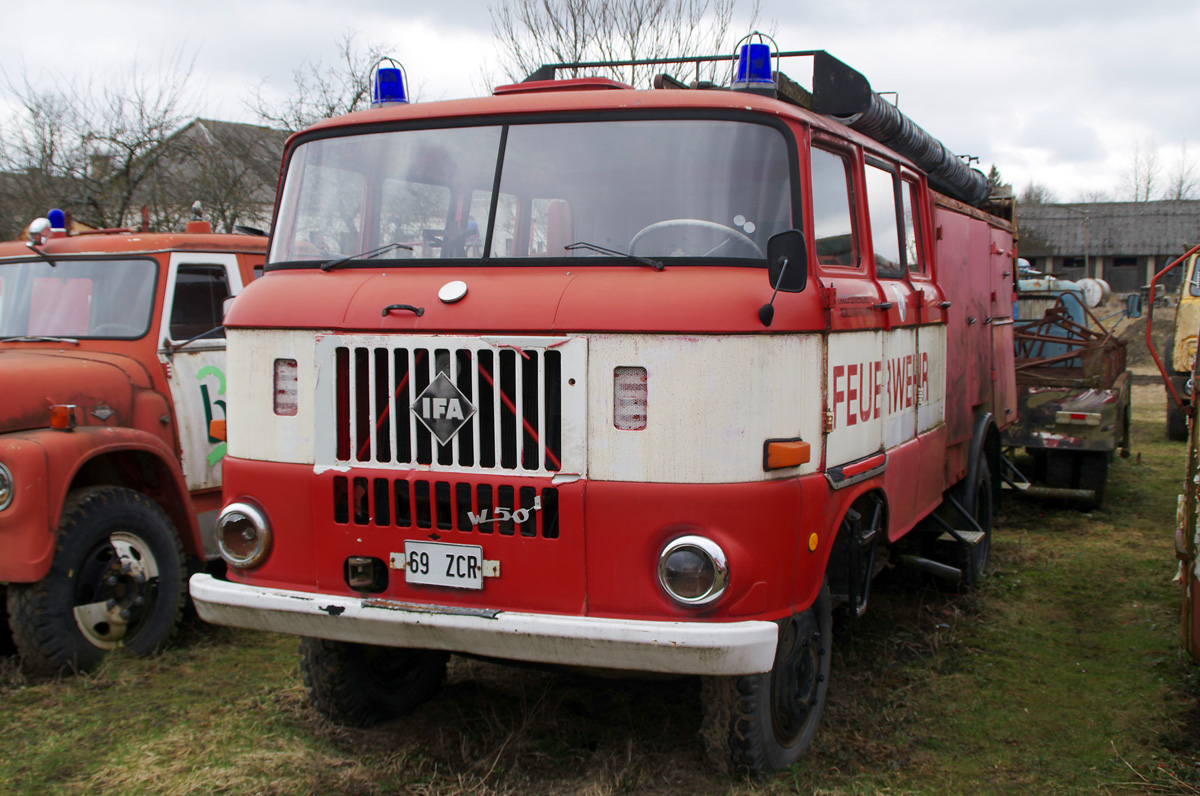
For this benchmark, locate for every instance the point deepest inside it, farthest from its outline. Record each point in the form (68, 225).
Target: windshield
(77, 298)
(691, 188)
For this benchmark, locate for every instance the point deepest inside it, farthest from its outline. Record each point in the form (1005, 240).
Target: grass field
(1061, 675)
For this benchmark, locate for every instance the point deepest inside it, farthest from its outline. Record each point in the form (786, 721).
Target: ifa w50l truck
(635, 380)
(112, 364)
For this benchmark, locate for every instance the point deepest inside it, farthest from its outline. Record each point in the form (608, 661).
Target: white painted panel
(196, 377)
(931, 346)
(254, 430)
(712, 401)
(903, 375)
(856, 395)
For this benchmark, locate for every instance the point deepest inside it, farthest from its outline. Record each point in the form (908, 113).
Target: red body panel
(122, 398)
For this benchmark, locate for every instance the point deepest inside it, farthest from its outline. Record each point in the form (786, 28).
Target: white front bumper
(704, 648)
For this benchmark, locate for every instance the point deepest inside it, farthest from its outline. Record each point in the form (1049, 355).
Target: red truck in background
(113, 363)
(636, 380)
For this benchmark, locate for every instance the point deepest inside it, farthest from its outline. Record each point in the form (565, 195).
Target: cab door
(192, 351)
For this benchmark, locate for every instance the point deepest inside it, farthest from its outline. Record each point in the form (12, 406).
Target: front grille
(504, 509)
(516, 393)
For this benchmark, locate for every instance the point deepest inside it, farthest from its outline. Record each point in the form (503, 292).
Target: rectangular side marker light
(780, 453)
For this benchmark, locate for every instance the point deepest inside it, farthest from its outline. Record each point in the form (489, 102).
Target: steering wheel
(731, 235)
(114, 330)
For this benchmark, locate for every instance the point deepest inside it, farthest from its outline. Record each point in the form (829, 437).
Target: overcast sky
(1057, 92)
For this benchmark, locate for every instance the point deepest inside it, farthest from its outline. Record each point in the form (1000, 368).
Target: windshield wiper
(655, 264)
(38, 338)
(329, 264)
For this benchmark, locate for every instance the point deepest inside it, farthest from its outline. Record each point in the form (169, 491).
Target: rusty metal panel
(1187, 539)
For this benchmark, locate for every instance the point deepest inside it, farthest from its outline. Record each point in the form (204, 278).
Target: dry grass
(1061, 675)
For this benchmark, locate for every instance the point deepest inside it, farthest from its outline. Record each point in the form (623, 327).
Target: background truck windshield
(77, 298)
(657, 188)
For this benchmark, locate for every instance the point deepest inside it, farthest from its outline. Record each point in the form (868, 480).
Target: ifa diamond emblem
(443, 409)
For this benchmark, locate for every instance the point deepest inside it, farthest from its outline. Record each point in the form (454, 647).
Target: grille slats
(517, 395)
(447, 506)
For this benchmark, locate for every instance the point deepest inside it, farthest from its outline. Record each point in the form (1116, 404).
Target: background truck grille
(517, 394)
(504, 509)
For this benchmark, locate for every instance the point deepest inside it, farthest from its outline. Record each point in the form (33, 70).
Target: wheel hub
(796, 681)
(114, 586)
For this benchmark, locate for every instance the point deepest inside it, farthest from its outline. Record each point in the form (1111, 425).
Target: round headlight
(243, 535)
(6, 487)
(693, 570)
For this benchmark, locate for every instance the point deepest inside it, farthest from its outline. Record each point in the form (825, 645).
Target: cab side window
(833, 220)
(910, 203)
(200, 292)
(885, 229)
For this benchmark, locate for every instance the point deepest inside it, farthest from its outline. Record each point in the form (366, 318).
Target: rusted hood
(102, 386)
(522, 299)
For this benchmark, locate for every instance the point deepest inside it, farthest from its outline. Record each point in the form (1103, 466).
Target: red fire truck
(637, 380)
(112, 362)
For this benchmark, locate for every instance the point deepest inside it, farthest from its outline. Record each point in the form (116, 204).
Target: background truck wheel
(116, 583)
(359, 685)
(763, 722)
(1177, 430)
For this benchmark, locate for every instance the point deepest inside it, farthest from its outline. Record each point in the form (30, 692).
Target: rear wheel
(359, 685)
(116, 582)
(977, 500)
(760, 723)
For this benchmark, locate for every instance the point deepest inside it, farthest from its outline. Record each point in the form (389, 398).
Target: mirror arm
(766, 313)
(33, 247)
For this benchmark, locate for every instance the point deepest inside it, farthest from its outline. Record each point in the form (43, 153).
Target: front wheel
(116, 582)
(763, 722)
(359, 685)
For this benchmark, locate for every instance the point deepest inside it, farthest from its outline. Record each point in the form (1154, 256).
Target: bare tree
(1093, 195)
(1142, 177)
(321, 91)
(1037, 194)
(1183, 181)
(91, 148)
(531, 33)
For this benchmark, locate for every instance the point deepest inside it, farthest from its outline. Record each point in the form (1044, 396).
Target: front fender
(26, 527)
(44, 465)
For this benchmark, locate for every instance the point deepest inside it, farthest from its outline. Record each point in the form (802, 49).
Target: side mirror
(39, 231)
(787, 261)
(1133, 305)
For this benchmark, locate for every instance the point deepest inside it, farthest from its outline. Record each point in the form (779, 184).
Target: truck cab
(113, 356)
(1179, 351)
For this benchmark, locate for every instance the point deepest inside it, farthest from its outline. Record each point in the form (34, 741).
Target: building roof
(1108, 229)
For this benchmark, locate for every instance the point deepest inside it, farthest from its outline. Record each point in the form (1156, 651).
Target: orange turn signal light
(216, 429)
(779, 453)
(62, 417)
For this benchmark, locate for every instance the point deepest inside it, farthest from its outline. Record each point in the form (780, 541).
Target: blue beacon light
(57, 219)
(389, 85)
(753, 72)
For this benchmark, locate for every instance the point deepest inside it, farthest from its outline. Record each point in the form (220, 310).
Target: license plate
(459, 566)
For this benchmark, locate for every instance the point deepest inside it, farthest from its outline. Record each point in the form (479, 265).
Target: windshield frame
(156, 267)
(507, 121)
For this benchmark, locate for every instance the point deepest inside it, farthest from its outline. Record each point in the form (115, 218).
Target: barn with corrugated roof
(1124, 243)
